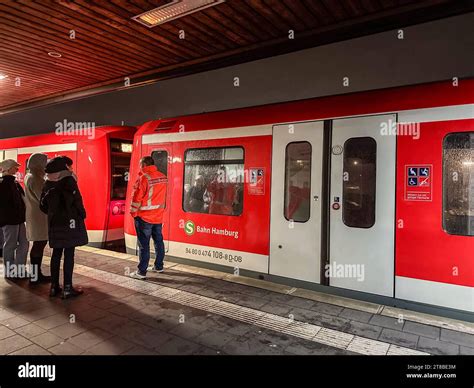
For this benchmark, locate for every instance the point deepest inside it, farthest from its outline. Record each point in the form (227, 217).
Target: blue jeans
(145, 231)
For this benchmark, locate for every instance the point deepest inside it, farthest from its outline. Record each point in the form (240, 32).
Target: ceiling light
(3, 76)
(173, 10)
(54, 54)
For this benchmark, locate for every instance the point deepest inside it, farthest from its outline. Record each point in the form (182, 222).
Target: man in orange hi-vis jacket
(147, 207)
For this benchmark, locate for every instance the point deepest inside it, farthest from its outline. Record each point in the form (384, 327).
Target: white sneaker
(154, 269)
(136, 275)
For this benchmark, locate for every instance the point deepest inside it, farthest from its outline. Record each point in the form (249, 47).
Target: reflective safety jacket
(149, 195)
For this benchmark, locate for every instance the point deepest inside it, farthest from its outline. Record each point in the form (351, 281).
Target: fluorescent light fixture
(173, 10)
(54, 54)
(3, 76)
(125, 147)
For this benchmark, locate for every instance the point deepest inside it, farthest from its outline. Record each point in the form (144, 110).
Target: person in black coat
(61, 200)
(12, 221)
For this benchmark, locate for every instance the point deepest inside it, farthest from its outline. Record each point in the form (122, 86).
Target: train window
(297, 181)
(214, 181)
(161, 161)
(359, 182)
(458, 183)
(120, 163)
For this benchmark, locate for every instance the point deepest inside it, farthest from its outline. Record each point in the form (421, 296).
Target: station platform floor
(194, 311)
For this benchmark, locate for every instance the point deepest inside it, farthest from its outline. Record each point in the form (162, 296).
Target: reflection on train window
(160, 158)
(214, 181)
(120, 162)
(458, 183)
(297, 181)
(359, 182)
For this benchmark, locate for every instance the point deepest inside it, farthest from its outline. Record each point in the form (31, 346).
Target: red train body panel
(93, 159)
(424, 249)
(421, 260)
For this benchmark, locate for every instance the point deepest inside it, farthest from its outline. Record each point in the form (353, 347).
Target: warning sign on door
(257, 181)
(418, 182)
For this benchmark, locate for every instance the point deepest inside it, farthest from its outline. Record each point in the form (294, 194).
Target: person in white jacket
(36, 220)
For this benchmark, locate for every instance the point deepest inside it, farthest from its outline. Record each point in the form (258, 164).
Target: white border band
(48, 148)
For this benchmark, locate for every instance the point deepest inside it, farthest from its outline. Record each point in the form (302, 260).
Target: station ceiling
(55, 50)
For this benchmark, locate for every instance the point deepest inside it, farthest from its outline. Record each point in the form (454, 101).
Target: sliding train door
(362, 205)
(295, 228)
(162, 156)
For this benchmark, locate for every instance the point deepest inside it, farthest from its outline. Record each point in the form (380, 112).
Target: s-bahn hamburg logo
(189, 228)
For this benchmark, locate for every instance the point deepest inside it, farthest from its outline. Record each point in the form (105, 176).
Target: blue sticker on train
(424, 171)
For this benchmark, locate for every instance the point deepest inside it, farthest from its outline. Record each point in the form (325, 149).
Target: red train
(371, 192)
(101, 158)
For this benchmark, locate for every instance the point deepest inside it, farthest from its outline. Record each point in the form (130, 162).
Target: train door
(362, 204)
(120, 156)
(162, 156)
(295, 230)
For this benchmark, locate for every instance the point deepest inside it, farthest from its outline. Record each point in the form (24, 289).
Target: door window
(297, 181)
(359, 182)
(161, 161)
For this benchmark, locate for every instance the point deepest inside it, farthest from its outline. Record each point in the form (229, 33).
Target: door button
(316, 198)
(336, 206)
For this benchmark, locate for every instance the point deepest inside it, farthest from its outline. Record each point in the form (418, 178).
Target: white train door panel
(362, 200)
(295, 230)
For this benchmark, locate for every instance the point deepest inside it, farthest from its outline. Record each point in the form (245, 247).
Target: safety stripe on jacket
(151, 183)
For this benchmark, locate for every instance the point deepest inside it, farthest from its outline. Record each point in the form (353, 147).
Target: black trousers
(36, 253)
(37, 250)
(68, 266)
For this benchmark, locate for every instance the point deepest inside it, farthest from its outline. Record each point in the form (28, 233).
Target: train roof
(349, 104)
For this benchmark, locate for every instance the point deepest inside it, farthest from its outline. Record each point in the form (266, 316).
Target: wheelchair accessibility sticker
(418, 182)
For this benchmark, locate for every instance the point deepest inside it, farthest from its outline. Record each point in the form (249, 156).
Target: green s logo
(189, 228)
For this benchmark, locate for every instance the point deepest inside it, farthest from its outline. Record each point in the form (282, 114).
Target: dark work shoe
(70, 292)
(55, 290)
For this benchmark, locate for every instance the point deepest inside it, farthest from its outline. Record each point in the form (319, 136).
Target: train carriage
(101, 161)
(370, 192)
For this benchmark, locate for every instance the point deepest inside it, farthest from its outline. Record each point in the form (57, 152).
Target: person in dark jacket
(197, 196)
(62, 202)
(12, 221)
